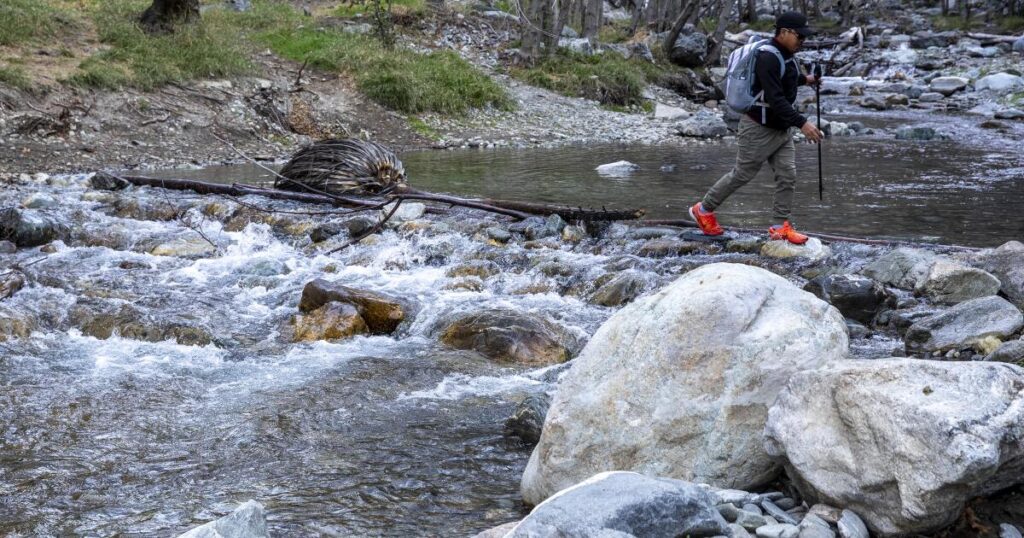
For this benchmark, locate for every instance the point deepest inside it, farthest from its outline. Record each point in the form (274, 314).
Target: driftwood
(514, 209)
(992, 39)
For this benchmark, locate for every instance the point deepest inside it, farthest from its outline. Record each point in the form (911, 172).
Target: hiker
(765, 129)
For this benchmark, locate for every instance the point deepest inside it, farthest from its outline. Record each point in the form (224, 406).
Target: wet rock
(901, 267)
(652, 232)
(857, 297)
(510, 336)
(332, 321)
(466, 283)
(247, 521)
(874, 103)
(7, 247)
(192, 248)
(665, 247)
(324, 232)
(104, 320)
(625, 504)
(897, 100)
(703, 125)
(533, 228)
(1009, 114)
(690, 48)
(10, 283)
(730, 334)
(964, 326)
(751, 520)
(30, 227)
(749, 245)
(904, 443)
(1012, 352)
(478, 268)
(922, 134)
(949, 282)
(573, 234)
(406, 211)
(107, 182)
(857, 89)
(1018, 45)
(40, 201)
(948, 85)
(813, 250)
(500, 235)
(1000, 83)
(381, 313)
(501, 530)
(527, 421)
(852, 526)
(359, 226)
(931, 97)
(1007, 264)
(621, 289)
(617, 168)
(146, 209)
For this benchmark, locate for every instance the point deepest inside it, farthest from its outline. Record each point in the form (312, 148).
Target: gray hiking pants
(758, 144)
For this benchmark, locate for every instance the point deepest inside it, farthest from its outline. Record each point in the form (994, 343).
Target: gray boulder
(1000, 83)
(923, 134)
(1018, 46)
(904, 443)
(931, 97)
(703, 125)
(901, 267)
(1009, 114)
(624, 504)
(924, 39)
(964, 326)
(580, 45)
(247, 521)
(527, 421)
(240, 5)
(678, 382)
(857, 297)
(874, 102)
(1007, 264)
(30, 228)
(948, 85)
(620, 289)
(510, 336)
(950, 282)
(1012, 351)
(690, 49)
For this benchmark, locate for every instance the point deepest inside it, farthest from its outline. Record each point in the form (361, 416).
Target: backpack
(739, 76)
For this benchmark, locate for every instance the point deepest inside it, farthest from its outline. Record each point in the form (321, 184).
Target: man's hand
(813, 80)
(811, 132)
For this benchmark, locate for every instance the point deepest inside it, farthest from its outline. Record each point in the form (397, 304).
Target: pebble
(778, 513)
(782, 530)
(750, 520)
(729, 512)
(851, 526)
(786, 503)
(732, 496)
(753, 508)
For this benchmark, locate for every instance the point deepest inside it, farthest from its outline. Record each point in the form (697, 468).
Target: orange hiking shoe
(705, 220)
(787, 233)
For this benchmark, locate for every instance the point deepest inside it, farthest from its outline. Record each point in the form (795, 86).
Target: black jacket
(779, 93)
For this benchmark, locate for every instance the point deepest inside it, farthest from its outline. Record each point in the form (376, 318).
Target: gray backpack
(739, 77)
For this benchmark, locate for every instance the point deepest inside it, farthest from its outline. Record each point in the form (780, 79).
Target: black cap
(794, 20)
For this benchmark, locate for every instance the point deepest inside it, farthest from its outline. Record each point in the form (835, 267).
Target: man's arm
(767, 71)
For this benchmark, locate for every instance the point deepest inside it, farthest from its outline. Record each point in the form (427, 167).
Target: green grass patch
(210, 48)
(16, 77)
(615, 32)
(27, 20)
(608, 78)
(421, 128)
(953, 22)
(398, 79)
(1011, 25)
(400, 8)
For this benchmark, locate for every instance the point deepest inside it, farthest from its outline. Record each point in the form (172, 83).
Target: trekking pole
(817, 101)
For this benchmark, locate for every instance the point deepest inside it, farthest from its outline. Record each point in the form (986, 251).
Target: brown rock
(509, 336)
(665, 247)
(10, 283)
(477, 268)
(381, 313)
(331, 321)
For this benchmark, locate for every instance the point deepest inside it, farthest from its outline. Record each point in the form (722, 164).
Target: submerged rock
(381, 313)
(917, 133)
(10, 283)
(104, 320)
(527, 421)
(29, 227)
(247, 521)
(510, 336)
(857, 297)
(185, 248)
(621, 289)
(678, 383)
(617, 168)
(903, 442)
(964, 326)
(331, 321)
(621, 504)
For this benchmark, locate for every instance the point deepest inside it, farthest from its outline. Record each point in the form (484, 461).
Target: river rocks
(192, 248)
(924, 39)
(897, 99)
(857, 297)
(331, 321)
(666, 247)
(964, 326)
(1018, 45)
(690, 48)
(405, 212)
(510, 336)
(1000, 83)
(40, 201)
(107, 182)
(621, 289)
(902, 442)
(813, 250)
(901, 267)
(478, 268)
(852, 526)
(949, 282)
(931, 97)
(1009, 114)
(139, 208)
(703, 125)
(381, 313)
(1007, 264)
(921, 134)
(538, 227)
(10, 283)
(948, 85)
(1012, 351)
(7, 247)
(617, 168)
(622, 504)
(103, 321)
(247, 521)
(874, 102)
(527, 421)
(678, 383)
(29, 227)
(665, 112)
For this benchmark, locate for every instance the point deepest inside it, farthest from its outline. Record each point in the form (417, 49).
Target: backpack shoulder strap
(782, 61)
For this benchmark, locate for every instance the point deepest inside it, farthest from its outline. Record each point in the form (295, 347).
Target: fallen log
(992, 39)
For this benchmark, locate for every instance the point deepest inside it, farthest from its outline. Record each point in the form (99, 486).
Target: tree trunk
(532, 22)
(164, 15)
(751, 13)
(593, 14)
(714, 55)
(677, 27)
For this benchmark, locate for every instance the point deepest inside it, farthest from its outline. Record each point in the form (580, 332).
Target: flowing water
(377, 435)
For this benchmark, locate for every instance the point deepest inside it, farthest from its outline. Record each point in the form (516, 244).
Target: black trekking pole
(819, 71)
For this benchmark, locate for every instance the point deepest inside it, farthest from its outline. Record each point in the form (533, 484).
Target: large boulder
(965, 325)
(950, 282)
(857, 297)
(901, 267)
(678, 383)
(690, 48)
(623, 504)
(247, 521)
(905, 443)
(29, 227)
(1007, 264)
(510, 336)
(1000, 83)
(382, 314)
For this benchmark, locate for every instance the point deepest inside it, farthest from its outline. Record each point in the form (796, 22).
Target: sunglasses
(797, 34)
